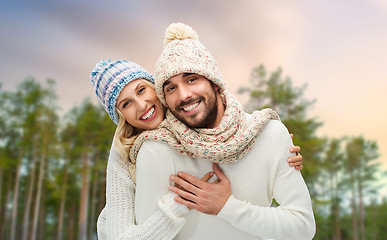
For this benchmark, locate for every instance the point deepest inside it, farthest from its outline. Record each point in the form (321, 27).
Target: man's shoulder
(275, 134)
(150, 144)
(276, 128)
(275, 125)
(272, 125)
(156, 149)
(156, 155)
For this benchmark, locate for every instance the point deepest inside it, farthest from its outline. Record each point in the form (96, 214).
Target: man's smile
(191, 108)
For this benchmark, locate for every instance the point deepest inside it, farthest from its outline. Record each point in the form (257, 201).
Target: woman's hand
(200, 195)
(295, 161)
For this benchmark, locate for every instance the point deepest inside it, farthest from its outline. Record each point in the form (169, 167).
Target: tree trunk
(84, 198)
(39, 193)
(27, 207)
(374, 226)
(15, 199)
(102, 198)
(2, 175)
(337, 210)
(1, 192)
(5, 216)
(93, 199)
(72, 219)
(62, 203)
(361, 209)
(332, 198)
(354, 216)
(42, 216)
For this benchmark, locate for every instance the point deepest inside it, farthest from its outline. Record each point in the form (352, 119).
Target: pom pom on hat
(179, 31)
(109, 78)
(183, 53)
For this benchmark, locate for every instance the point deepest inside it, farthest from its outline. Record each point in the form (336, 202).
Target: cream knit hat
(183, 53)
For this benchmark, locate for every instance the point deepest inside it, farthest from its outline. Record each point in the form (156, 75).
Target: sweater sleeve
(117, 220)
(293, 218)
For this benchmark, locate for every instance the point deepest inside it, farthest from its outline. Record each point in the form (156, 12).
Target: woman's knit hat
(109, 78)
(183, 53)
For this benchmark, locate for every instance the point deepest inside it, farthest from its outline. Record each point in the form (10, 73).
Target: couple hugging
(187, 162)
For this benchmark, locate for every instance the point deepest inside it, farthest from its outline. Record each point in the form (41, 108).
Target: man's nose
(185, 93)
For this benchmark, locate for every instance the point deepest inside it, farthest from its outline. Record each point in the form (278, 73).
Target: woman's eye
(142, 89)
(125, 104)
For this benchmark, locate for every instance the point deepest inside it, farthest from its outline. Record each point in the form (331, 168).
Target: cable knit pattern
(117, 219)
(228, 142)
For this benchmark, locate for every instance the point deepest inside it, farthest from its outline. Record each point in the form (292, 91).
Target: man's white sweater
(257, 178)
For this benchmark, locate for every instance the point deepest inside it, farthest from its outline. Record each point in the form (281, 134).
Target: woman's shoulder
(118, 165)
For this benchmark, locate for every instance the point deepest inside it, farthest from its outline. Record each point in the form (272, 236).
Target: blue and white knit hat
(109, 78)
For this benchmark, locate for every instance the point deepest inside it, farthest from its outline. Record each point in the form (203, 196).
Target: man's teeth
(149, 114)
(190, 107)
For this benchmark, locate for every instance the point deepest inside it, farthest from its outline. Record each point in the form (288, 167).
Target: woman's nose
(141, 103)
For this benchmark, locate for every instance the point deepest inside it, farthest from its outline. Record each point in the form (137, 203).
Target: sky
(337, 48)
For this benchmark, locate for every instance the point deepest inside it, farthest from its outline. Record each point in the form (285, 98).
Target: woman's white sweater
(117, 219)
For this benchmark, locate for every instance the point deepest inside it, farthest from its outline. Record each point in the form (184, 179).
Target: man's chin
(196, 120)
(192, 123)
(197, 124)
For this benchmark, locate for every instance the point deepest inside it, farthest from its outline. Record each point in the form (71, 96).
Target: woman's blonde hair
(126, 134)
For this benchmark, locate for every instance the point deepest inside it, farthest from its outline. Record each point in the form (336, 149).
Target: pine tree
(278, 93)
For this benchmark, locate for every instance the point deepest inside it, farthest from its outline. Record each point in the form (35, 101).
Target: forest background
(320, 64)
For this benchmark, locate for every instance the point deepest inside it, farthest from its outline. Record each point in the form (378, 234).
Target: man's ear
(216, 87)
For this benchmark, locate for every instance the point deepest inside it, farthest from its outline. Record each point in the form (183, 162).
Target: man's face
(192, 99)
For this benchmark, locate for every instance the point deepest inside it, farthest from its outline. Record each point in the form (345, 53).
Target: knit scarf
(226, 143)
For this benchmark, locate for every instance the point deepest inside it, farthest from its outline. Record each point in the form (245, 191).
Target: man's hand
(200, 195)
(295, 161)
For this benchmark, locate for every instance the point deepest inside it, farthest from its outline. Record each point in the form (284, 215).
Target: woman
(127, 94)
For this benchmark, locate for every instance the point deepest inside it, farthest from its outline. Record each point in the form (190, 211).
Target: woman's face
(140, 106)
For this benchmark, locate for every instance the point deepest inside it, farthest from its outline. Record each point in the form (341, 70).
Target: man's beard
(210, 113)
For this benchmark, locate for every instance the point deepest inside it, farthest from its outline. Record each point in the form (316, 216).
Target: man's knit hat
(109, 78)
(183, 53)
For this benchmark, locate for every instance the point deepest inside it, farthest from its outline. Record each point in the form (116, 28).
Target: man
(188, 81)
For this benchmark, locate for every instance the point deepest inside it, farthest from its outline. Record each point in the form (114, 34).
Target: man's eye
(170, 89)
(192, 79)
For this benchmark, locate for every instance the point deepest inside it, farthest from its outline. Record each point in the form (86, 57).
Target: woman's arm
(117, 220)
(296, 160)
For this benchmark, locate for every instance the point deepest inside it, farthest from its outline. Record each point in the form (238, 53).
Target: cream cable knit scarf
(228, 142)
